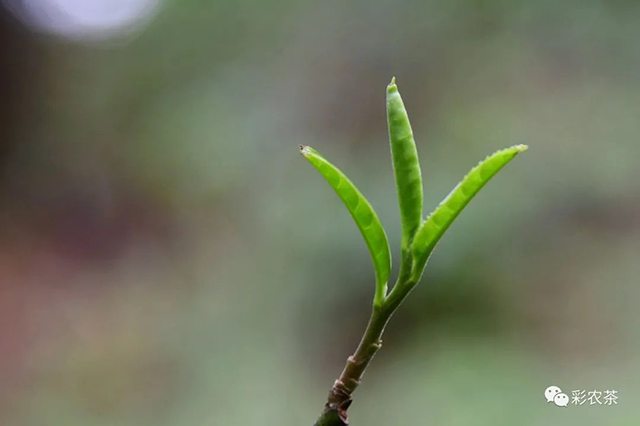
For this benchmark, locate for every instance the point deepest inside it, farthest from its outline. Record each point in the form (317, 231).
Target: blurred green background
(167, 258)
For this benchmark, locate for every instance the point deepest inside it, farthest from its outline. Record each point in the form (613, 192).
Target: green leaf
(443, 216)
(362, 213)
(405, 165)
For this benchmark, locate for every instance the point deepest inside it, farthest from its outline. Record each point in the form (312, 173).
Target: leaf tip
(304, 150)
(392, 86)
(521, 147)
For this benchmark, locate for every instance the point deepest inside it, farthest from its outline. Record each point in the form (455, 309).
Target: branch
(339, 400)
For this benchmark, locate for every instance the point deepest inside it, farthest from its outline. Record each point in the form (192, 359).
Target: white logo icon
(551, 393)
(554, 394)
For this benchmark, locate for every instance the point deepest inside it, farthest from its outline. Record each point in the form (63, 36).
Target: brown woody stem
(339, 400)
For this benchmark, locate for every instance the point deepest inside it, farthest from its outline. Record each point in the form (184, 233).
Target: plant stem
(339, 400)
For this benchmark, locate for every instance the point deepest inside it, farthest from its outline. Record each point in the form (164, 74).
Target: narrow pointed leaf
(405, 164)
(362, 213)
(443, 216)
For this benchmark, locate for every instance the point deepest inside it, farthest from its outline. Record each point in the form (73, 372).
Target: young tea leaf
(362, 213)
(405, 164)
(432, 229)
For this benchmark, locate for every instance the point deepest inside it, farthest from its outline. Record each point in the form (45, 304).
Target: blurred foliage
(159, 265)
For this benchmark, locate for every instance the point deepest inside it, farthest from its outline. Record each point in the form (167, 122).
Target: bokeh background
(168, 258)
